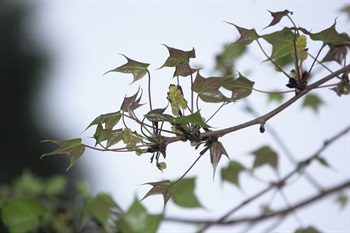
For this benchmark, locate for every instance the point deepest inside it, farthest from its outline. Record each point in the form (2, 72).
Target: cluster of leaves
(181, 119)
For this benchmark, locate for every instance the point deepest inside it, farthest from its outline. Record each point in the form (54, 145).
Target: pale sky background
(86, 39)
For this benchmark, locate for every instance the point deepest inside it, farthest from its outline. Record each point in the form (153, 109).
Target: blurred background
(53, 56)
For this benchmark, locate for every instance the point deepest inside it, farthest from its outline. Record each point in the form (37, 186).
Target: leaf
(194, 118)
(312, 101)
(55, 185)
(109, 119)
(177, 57)
(137, 69)
(231, 172)
(137, 220)
(73, 148)
(240, 87)
(281, 41)
(101, 134)
(22, 215)
(100, 209)
(131, 139)
(342, 200)
(277, 97)
(208, 89)
(131, 103)
(346, 10)
(184, 70)
(323, 161)
(115, 137)
(309, 229)
(247, 35)
(28, 185)
(184, 193)
(163, 188)
(265, 156)
(216, 150)
(343, 87)
(176, 99)
(157, 115)
(336, 53)
(330, 36)
(226, 60)
(277, 16)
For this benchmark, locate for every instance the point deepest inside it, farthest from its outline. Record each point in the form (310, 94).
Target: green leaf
(137, 220)
(216, 150)
(330, 36)
(109, 119)
(346, 10)
(28, 185)
(323, 161)
(156, 115)
(131, 103)
(247, 35)
(342, 200)
(164, 188)
(312, 101)
(55, 185)
(99, 208)
(265, 156)
(115, 137)
(309, 229)
(231, 172)
(176, 99)
(137, 69)
(281, 41)
(277, 16)
(240, 87)
(343, 87)
(101, 134)
(184, 193)
(131, 139)
(276, 97)
(194, 118)
(226, 60)
(22, 215)
(208, 89)
(336, 53)
(73, 148)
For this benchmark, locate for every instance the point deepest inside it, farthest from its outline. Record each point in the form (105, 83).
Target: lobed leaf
(184, 195)
(216, 150)
(277, 16)
(281, 41)
(109, 119)
(131, 139)
(312, 101)
(265, 156)
(131, 103)
(330, 36)
(231, 172)
(208, 89)
(137, 69)
(163, 188)
(73, 148)
(137, 220)
(247, 36)
(177, 57)
(240, 87)
(194, 118)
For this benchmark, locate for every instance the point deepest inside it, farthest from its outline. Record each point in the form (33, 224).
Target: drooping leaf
(100, 209)
(194, 118)
(323, 161)
(240, 87)
(309, 229)
(22, 215)
(184, 195)
(265, 156)
(131, 103)
(231, 172)
(164, 188)
(176, 99)
(137, 69)
(312, 101)
(73, 148)
(208, 89)
(131, 139)
(247, 36)
(281, 41)
(184, 70)
(342, 200)
(277, 16)
(137, 220)
(216, 150)
(343, 87)
(109, 119)
(336, 53)
(330, 36)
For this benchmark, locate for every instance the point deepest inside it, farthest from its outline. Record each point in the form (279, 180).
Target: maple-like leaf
(131, 103)
(184, 195)
(336, 53)
(131, 139)
(208, 89)
(194, 118)
(177, 57)
(265, 156)
(240, 87)
(231, 172)
(216, 151)
(343, 87)
(164, 188)
(109, 119)
(137, 69)
(247, 36)
(331, 36)
(73, 148)
(277, 16)
(312, 101)
(281, 41)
